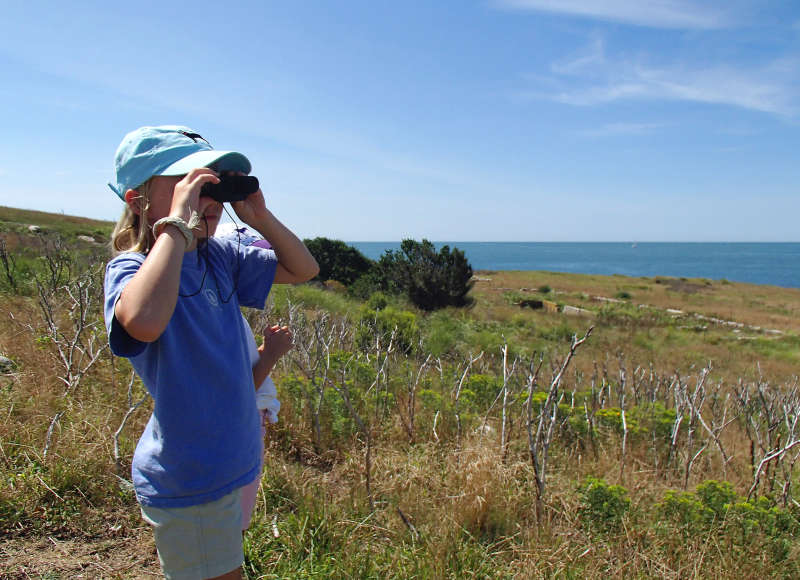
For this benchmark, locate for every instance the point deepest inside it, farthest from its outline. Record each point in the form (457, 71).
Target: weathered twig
(539, 445)
(132, 407)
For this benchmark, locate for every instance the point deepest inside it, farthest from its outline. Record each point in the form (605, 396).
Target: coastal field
(564, 426)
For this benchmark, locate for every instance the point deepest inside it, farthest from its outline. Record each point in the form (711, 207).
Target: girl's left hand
(251, 210)
(278, 340)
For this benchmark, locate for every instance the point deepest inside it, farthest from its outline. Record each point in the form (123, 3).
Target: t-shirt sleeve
(256, 273)
(119, 272)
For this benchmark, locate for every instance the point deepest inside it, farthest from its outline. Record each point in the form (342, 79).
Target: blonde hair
(132, 232)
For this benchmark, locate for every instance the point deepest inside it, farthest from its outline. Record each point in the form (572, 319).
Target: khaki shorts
(201, 541)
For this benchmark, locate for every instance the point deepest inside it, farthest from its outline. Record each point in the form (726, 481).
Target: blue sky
(506, 120)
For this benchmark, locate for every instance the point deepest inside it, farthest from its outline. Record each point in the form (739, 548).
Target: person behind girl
(277, 342)
(172, 297)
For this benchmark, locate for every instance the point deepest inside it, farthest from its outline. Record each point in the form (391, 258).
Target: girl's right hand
(186, 194)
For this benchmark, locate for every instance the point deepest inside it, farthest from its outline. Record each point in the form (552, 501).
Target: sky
(486, 120)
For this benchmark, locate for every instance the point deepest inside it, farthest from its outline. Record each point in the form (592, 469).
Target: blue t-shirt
(203, 439)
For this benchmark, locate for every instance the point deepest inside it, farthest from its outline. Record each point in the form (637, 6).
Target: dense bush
(429, 279)
(338, 260)
(603, 506)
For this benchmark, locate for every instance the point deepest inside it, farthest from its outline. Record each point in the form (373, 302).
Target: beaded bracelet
(179, 223)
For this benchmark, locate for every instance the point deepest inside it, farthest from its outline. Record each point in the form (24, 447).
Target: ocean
(776, 264)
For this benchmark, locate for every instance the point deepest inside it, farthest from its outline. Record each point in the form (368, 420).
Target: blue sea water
(776, 264)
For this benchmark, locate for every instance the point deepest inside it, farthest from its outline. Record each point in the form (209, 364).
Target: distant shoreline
(764, 263)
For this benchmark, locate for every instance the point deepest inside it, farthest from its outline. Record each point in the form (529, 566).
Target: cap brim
(220, 160)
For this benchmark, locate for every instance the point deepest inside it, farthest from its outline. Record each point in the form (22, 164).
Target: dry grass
(657, 338)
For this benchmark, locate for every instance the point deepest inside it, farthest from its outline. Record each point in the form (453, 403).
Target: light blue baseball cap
(167, 150)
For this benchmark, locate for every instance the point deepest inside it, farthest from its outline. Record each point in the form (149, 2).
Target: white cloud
(758, 90)
(592, 78)
(676, 14)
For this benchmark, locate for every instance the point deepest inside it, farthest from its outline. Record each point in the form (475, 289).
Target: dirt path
(114, 558)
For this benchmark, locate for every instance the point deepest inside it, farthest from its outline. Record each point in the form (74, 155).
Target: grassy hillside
(485, 442)
(18, 221)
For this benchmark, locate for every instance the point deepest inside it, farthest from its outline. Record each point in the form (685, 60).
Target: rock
(607, 299)
(7, 365)
(34, 229)
(575, 311)
(88, 239)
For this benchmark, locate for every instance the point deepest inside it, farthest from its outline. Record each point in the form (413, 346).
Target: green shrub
(603, 506)
(652, 420)
(756, 525)
(545, 289)
(514, 297)
(430, 399)
(762, 516)
(429, 279)
(716, 496)
(337, 260)
(377, 301)
(484, 389)
(610, 417)
(684, 510)
(692, 511)
(443, 333)
(561, 332)
(379, 325)
(336, 422)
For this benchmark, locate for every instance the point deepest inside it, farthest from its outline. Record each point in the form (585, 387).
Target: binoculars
(231, 188)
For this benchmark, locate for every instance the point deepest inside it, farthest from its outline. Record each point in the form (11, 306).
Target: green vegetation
(431, 444)
(431, 280)
(338, 261)
(428, 279)
(18, 221)
(603, 506)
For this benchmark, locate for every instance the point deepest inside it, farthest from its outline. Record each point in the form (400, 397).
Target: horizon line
(632, 242)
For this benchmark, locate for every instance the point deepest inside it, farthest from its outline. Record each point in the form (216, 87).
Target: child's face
(161, 192)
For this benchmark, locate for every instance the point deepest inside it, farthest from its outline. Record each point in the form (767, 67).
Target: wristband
(179, 223)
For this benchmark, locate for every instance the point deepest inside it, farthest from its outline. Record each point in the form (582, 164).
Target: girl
(172, 297)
